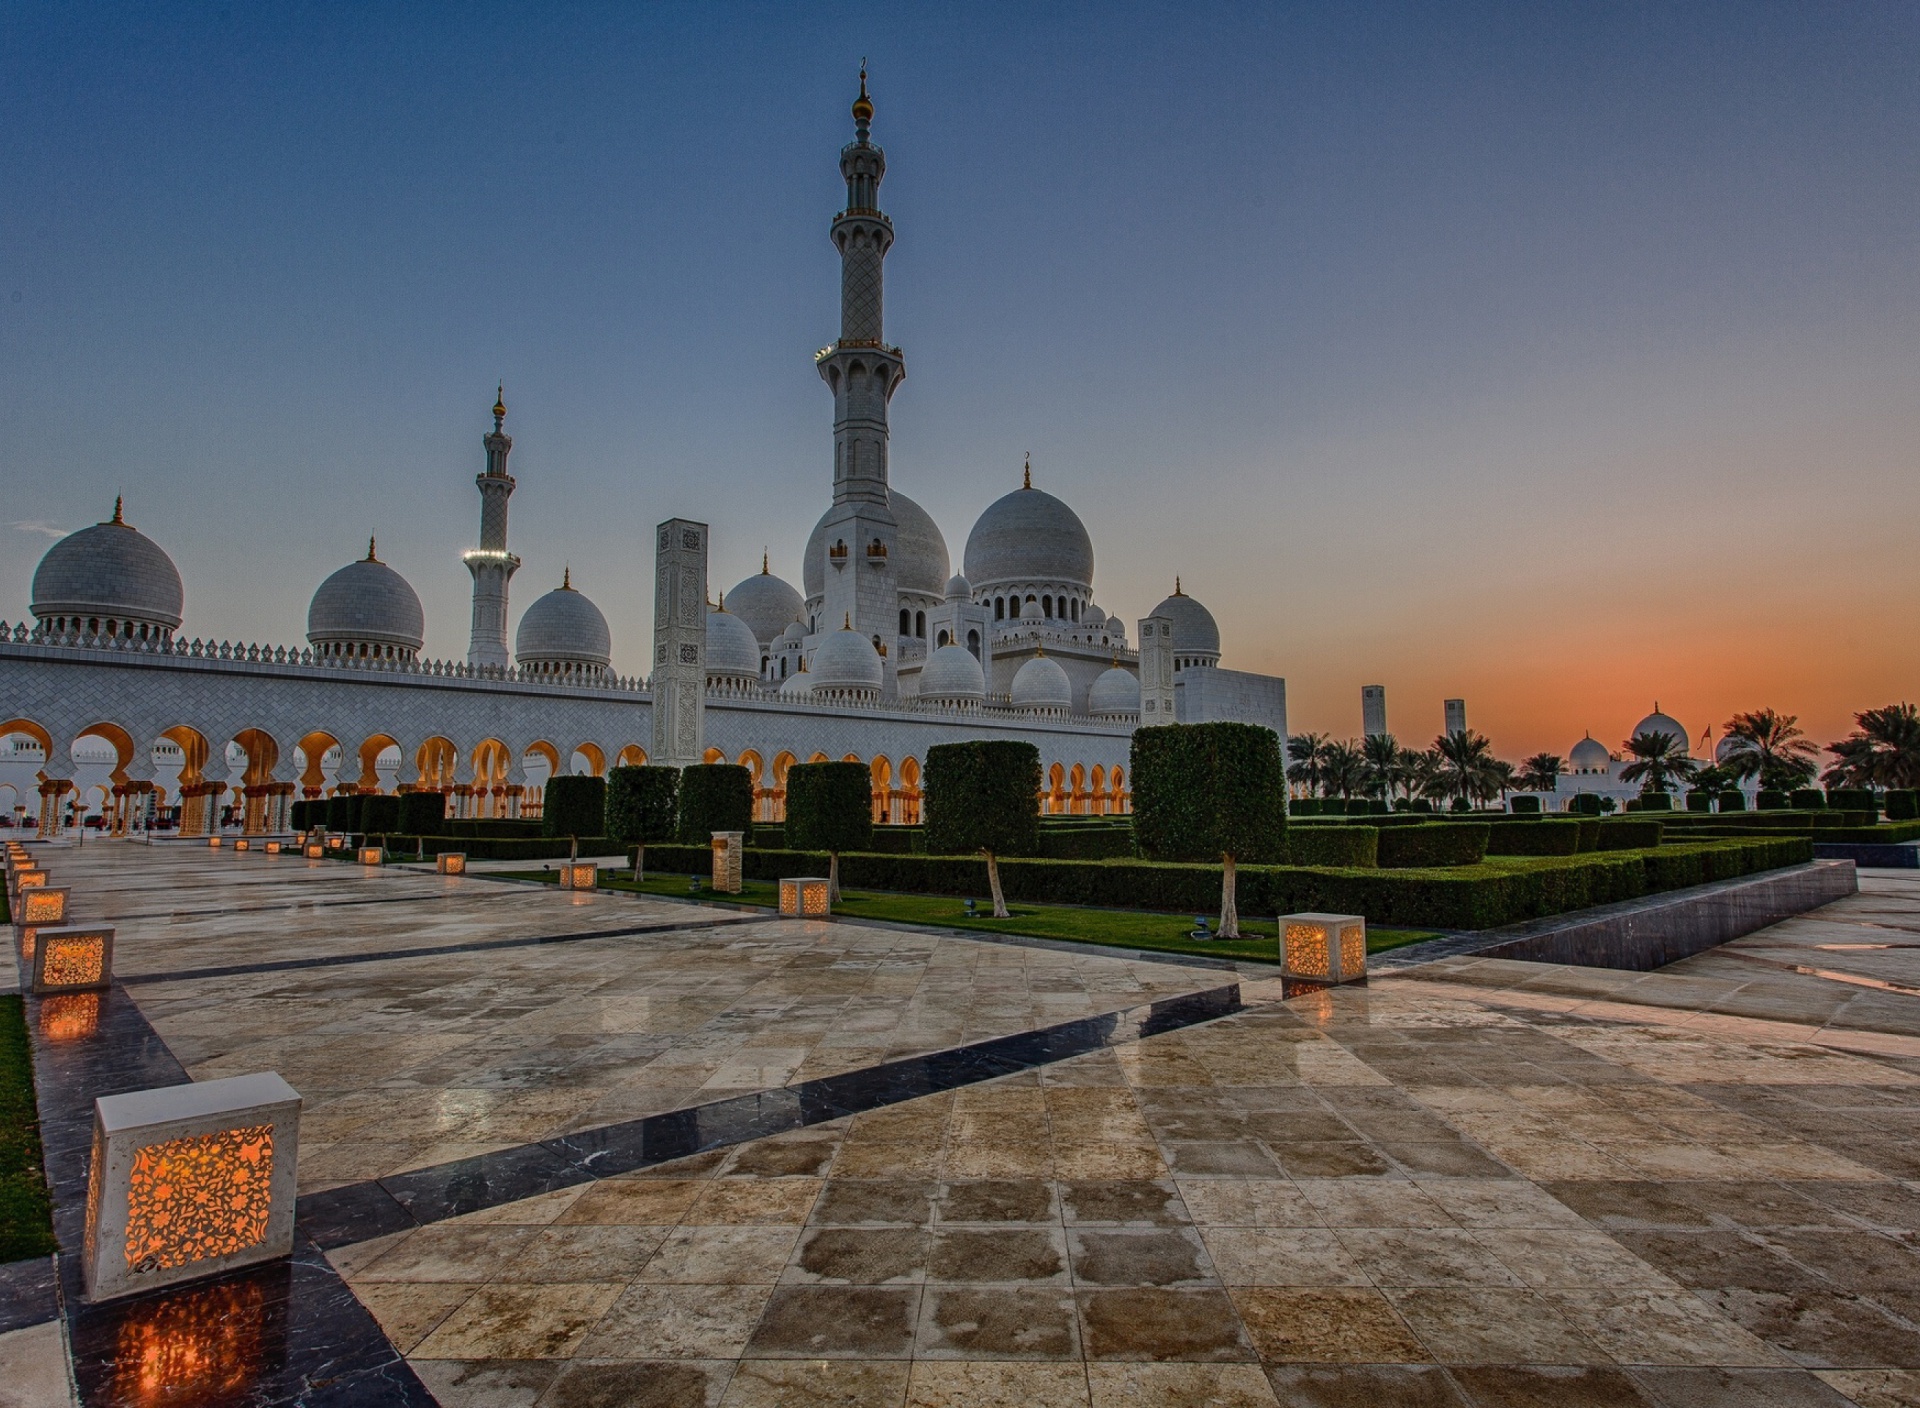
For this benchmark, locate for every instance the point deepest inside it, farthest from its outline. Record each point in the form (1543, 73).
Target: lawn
(1113, 928)
(26, 1220)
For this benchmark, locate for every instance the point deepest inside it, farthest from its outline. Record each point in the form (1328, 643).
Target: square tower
(1373, 709)
(1456, 715)
(679, 643)
(1156, 671)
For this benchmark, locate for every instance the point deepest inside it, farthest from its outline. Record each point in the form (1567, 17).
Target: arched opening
(713, 755)
(1100, 798)
(377, 753)
(487, 795)
(781, 762)
(823, 758)
(1013, 608)
(632, 756)
(435, 761)
(973, 644)
(762, 795)
(538, 763)
(920, 624)
(263, 803)
(906, 622)
(1046, 607)
(588, 761)
(910, 795)
(882, 772)
(1118, 786)
(1077, 781)
(940, 640)
(1056, 790)
(199, 798)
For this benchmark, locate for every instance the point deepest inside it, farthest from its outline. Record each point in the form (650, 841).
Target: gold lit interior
(1353, 951)
(70, 1016)
(74, 962)
(1307, 950)
(197, 1198)
(43, 907)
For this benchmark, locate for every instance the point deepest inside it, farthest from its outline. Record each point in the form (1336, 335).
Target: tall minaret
(491, 564)
(863, 373)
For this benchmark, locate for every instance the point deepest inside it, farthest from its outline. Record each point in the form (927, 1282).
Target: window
(906, 622)
(1046, 607)
(1076, 611)
(973, 643)
(1013, 608)
(941, 639)
(999, 608)
(920, 624)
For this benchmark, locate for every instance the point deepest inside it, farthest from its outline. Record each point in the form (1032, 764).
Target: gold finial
(846, 622)
(1027, 474)
(566, 578)
(370, 556)
(764, 569)
(863, 105)
(1039, 652)
(116, 512)
(722, 606)
(499, 405)
(1176, 587)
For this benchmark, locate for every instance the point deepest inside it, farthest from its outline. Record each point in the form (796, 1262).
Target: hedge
(830, 807)
(1536, 838)
(1207, 790)
(574, 806)
(1768, 800)
(343, 812)
(421, 813)
(1903, 804)
(1853, 799)
(496, 848)
(1699, 800)
(1087, 843)
(1733, 801)
(379, 813)
(1346, 846)
(643, 805)
(300, 815)
(1585, 803)
(1890, 834)
(1440, 843)
(714, 797)
(1304, 806)
(494, 827)
(1525, 806)
(1477, 897)
(1655, 802)
(983, 796)
(1807, 799)
(1628, 834)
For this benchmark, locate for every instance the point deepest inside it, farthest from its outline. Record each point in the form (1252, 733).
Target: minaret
(491, 564)
(862, 372)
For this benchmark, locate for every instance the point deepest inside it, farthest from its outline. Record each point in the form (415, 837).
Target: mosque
(882, 651)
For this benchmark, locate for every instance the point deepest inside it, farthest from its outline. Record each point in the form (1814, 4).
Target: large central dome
(366, 609)
(1029, 536)
(920, 561)
(110, 571)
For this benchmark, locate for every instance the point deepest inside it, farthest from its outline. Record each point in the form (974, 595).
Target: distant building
(1373, 709)
(1456, 710)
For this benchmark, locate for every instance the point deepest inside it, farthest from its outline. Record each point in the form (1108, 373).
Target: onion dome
(1656, 722)
(1116, 693)
(1589, 756)
(366, 610)
(1196, 637)
(1093, 617)
(792, 637)
(109, 579)
(952, 676)
(846, 666)
(1029, 536)
(766, 603)
(920, 562)
(564, 634)
(732, 652)
(797, 685)
(959, 588)
(1042, 686)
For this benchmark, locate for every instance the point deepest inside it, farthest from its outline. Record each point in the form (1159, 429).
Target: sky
(1561, 358)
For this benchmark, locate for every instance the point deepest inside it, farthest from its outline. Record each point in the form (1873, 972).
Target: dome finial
(846, 622)
(722, 604)
(499, 406)
(1026, 476)
(765, 571)
(1176, 585)
(566, 578)
(862, 105)
(370, 556)
(116, 512)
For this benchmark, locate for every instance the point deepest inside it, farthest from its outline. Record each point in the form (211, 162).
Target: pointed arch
(632, 756)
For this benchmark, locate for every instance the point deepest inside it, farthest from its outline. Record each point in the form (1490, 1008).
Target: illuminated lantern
(451, 862)
(214, 841)
(27, 879)
(1324, 948)
(72, 958)
(273, 848)
(804, 895)
(336, 843)
(579, 875)
(241, 844)
(316, 851)
(46, 905)
(728, 847)
(189, 1180)
(372, 855)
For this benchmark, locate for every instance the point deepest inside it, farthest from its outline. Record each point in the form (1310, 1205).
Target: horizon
(1558, 362)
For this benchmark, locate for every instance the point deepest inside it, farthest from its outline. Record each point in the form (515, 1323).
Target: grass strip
(26, 1217)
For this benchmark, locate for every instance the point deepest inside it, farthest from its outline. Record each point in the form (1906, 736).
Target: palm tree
(1304, 759)
(1343, 769)
(1386, 764)
(1659, 759)
(1768, 746)
(1884, 751)
(1430, 774)
(1499, 778)
(1541, 772)
(1466, 764)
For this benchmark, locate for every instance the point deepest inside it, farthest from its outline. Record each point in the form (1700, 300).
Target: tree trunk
(573, 848)
(1229, 899)
(833, 878)
(993, 883)
(639, 863)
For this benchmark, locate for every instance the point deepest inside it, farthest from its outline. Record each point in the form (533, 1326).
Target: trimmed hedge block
(1585, 803)
(1350, 847)
(574, 806)
(1441, 843)
(1903, 804)
(830, 807)
(985, 796)
(1733, 801)
(1201, 791)
(379, 813)
(1535, 838)
(1853, 799)
(1807, 799)
(421, 813)
(643, 805)
(714, 797)
(1524, 806)
(1767, 800)
(1628, 834)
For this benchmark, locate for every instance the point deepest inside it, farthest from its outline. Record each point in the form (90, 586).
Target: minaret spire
(491, 564)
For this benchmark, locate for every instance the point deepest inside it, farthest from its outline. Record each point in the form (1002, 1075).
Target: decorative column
(679, 643)
(491, 564)
(1156, 670)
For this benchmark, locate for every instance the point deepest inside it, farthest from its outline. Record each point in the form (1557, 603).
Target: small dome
(959, 588)
(920, 561)
(1093, 617)
(563, 628)
(793, 634)
(951, 672)
(1656, 722)
(1194, 629)
(766, 603)
(1042, 684)
(846, 660)
(731, 648)
(1117, 691)
(366, 602)
(1588, 755)
(797, 685)
(109, 571)
(1029, 536)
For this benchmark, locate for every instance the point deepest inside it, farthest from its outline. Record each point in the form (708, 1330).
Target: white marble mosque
(883, 649)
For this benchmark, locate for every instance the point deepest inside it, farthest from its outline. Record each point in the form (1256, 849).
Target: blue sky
(1560, 357)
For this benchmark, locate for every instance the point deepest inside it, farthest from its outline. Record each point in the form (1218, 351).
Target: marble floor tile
(502, 1321)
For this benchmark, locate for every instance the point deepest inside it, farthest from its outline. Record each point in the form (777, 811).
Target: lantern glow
(72, 959)
(805, 896)
(372, 855)
(1324, 948)
(46, 905)
(451, 862)
(579, 875)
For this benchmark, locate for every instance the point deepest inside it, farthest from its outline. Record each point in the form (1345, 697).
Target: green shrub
(1589, 834)
(1890, 834)
(1807, 799)
(300, 814)
(714, 797)
(983, 798)
(1535, 838)
(1733, 801)
(343, 812)
(643, 809)
(1768, 800)
(1524, 806)
(1629, 835)
(1087, 843)
(769, 837)
(421, 813)
(1343, 846)
(830, 808)
(1207, 790)
(1423, 805)
(505, 828)
(1442, 843)
(1700, 800)
(1655, 802)
(1585, 803)
(1903, 804)
(379, 813)
(1853, 799)
(574, 806)
(1304, 806)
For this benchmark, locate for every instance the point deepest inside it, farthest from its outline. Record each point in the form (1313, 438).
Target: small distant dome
(959, 588)
(1042, 686)
(1093, 617)
(766, 603)
(920, 561)
(1589, 756)
(1725, 749)
(563, 633)
(1116, 692)
(798, 685)
(1194, 632)
(366, 610)
(1656, 722)
(1029, 536)
(952, 675)
(793, 634)
(846, 665)
(109, 572)
(732, 652)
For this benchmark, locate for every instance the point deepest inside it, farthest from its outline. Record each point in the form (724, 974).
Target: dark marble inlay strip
(355, 1212)
(284, 1333)
(341, 960)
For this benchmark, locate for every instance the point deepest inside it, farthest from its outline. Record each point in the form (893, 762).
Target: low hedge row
(496, 847)
(1347, 847)
(1475, 897)
(1902, 804)
(1440, 843)
(1536, 838)
(1629, 834)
